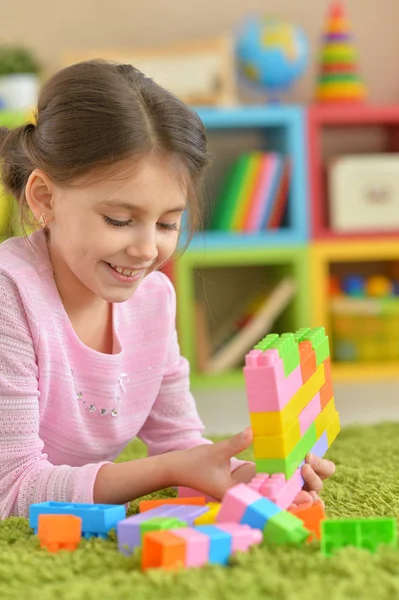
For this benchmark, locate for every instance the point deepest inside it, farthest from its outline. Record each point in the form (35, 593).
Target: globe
(271, 53)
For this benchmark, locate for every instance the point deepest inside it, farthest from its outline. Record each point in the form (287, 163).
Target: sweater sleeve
(174, 422)
(26, 475)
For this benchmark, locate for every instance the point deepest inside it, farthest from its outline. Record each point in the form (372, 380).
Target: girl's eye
(169, 226)
(116, 223)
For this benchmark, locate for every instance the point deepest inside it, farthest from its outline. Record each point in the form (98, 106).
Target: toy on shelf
(339, 79)
(271, 54)
(254, 195)
(365, 319)
(367, 533)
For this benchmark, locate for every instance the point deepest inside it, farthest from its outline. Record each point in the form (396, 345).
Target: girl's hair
(94, 114)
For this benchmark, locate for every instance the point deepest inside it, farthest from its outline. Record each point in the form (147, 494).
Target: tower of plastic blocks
(338, 79)
(291, 406)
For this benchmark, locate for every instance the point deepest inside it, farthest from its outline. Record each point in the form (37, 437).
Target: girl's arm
(174, 422)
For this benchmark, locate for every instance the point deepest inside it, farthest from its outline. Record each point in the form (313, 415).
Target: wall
(53, 27)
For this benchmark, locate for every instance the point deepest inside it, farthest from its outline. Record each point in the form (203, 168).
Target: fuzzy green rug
(366, 483)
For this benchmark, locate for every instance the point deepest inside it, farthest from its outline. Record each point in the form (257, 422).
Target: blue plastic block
(321, 446)
(97, 519)
(128, 530)
(259, 512)
(220, 546)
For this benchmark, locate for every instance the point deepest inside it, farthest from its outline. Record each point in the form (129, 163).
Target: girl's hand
(314, 471)
(206, 468)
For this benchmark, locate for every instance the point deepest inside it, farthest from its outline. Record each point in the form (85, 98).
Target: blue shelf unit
(283, 128)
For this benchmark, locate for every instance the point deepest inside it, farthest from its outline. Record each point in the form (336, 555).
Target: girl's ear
(39, 195)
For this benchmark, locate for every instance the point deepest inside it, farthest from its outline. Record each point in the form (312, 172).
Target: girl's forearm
(121, 482)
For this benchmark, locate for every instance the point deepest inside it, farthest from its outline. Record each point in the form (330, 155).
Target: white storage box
(364, 193)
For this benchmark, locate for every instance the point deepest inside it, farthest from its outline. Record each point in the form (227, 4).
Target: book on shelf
(254, 194)
(231, 354)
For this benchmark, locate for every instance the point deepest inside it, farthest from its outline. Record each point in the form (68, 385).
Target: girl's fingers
(323, 468)
(312, 480)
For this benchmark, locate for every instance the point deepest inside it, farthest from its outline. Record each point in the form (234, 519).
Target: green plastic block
(266, 342)
(320, 344)
(290, 463)
(300, 334)
(288, 351)
(160, 523)
(367, 534)
(285, 528)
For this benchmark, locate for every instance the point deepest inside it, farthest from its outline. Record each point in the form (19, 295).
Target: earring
(42, 221)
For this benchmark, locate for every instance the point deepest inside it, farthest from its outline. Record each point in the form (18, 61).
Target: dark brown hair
(94, 114)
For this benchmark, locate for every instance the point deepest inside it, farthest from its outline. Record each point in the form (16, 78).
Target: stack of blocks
(291, 405)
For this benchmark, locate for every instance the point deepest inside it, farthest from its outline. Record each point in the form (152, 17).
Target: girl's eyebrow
(132, 207)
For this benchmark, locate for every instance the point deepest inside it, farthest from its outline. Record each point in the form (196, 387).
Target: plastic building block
(308, 360)
(321, 446)
(320, 344)
(243, 536)
(163, 549)
(277, 446)
(197, 546)
(309, 413)
(59, 532)
(145, 505)
(333, 429)
(185, 492)
(326, 393)
(280, 491)
(274, 423)
(360, 533)
(268, 389)
(288, 350)
(159, 524)
(285, 528)
(209, 517)
(259, 513)
(97, 519)
(290, 464)
(235, 503)
(311, 514)
(129, 532)
(327, 369)
(221, 544)
(325, 417)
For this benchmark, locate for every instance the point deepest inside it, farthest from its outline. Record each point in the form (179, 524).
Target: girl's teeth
(122, 271)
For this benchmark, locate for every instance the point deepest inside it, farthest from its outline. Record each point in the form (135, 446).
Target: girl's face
(106, 236)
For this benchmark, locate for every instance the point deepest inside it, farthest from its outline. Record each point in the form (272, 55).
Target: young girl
(89, 356)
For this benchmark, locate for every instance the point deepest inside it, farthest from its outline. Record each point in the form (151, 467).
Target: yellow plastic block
(209, 518)
(333, 429)
(277, 446)
(278, 422)
(325, 418)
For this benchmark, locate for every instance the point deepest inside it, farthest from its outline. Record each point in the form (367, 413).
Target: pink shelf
(321, 116)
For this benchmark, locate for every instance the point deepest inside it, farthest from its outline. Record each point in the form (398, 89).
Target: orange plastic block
(326, 393)
(59, 532)
(327, 368)
(308, 360)
(145, 505)
(162, 549)
(312, 514)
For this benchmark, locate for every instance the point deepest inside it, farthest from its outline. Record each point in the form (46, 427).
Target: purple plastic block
(309, 414)
(321, 446)
(128, 530)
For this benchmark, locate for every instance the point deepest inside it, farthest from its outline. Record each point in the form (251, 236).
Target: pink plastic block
(235, 502)
(309, 413)
(243, 536)
(268, 390)
(197, 548)
(277, 489)
(185, 492)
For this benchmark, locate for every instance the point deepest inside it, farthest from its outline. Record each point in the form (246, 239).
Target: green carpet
(366, 483)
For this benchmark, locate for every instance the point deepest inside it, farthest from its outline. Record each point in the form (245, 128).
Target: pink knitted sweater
(65, 409)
